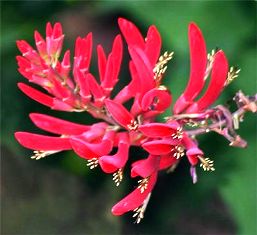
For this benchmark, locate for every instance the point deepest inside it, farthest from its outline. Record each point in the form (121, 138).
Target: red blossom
(128, 118)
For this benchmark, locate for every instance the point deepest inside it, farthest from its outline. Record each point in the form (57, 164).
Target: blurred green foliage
(177, 206)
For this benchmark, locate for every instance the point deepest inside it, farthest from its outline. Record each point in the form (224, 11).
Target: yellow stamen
(139, 211)
(143, 184)
(179, 151)
(38, 154)
(178, 134)
(92, 163)
(118, 177)
(206, 164)
(160, 68)
(232, 74)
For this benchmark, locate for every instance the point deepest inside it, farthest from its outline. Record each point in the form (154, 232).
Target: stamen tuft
(178, 134)
(38, 154)
(232, 74)
(160, 68)
(179, 151)
(118, 177)
(92, 163)
(143, 184)
(139, 211)
(206, 164)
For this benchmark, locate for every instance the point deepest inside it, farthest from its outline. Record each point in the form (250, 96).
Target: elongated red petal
(135, 198)
(95, 89)
(101, 62)
(156, 99)
(145, 167)
(131, 33)
(42, 142)
(56, 125)
(87, 52)
(23, 46)
(57, 30)
(192, 149)
(120, 114)
(83, 53)
(40, 43)
(112, 163)
(156, 130)
(158, 147)
(198, 62)
(143, 68)
(104, 146)
(49, 29)
(113, 65)
(83, 85)
(96, 131)
(167, 161)
(65, 65)
(36, 95)
(81, 149)
(153, 45)
(217, 83)
(60, 105)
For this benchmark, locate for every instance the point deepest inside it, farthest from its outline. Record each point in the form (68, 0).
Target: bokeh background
(60, 195)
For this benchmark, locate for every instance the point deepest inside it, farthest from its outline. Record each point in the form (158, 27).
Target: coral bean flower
(68, 84)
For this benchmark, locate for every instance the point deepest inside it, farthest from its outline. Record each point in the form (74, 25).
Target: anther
(92, 163)
(38, 154)
(143, 184)
(133, 125)
(139, 211)
(206, 164)
(178, 134)
(118, 177)
(179, 151)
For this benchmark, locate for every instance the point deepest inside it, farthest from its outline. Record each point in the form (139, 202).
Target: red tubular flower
(145, 167)
(36, 95)
(121, 115)
(54, 41)
(192, 150)
(112, 67)
(160, 147)
(156, 130)
(156, 99)
(56, 125)
(217, 83)
(112, 163)
(144, 69)
(70, 85)
(131, 33)
(83, 53)
(198, 61)
(101, 62)
(151, 46)
(89, 150)
(167, 161)
(44, 99)
(95, 90)
(42, 142)
(135, 199)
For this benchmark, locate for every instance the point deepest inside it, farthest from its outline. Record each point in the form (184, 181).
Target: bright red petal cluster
(69, 85)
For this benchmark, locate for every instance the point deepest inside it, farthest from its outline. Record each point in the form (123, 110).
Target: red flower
(70, 85)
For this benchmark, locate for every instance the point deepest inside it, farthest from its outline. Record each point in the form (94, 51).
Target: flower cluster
(70, 86)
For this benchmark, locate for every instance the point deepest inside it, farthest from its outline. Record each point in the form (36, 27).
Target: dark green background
(59, 195)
